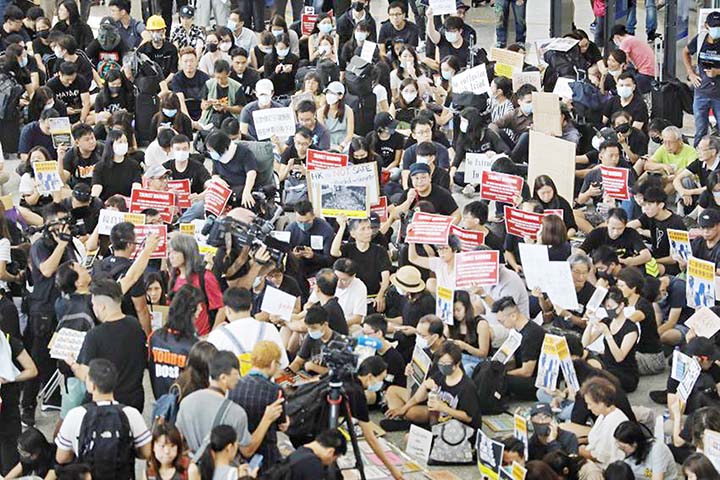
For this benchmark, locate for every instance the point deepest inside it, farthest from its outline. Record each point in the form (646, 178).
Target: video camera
(253, 235)
(75, 229)
(340, 358)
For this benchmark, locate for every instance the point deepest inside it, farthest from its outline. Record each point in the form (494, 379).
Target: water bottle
(433, 415)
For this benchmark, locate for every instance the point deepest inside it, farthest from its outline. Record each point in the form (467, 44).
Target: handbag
(452, 443)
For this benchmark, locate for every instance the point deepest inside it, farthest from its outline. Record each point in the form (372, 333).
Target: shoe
(27, 418)
(468, 191)
(394, 425)
(659, 396)
(47, 407)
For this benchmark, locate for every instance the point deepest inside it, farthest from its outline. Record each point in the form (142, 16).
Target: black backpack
(489, 379)
(560, 64)
(10, 93)
(358, 77)
(106, 442)
(282, 470)
(306, 408)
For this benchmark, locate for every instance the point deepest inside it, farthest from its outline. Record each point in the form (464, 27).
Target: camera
(253, 234)
(340, 358)
(75, 230)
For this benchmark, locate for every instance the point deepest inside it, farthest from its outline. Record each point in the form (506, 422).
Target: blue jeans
(631, 17)
(701, 110)
(196, 211)
(566, 406)
(650, 16)
(502, 11)
(469, 363)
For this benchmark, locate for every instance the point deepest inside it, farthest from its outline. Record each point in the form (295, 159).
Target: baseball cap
(461, 6)
(81, 192)
(385, 120)
(702, 347)
(156, 171)
(541, 408)
(187, 11)
(709, 218)
(264, 86)
(713, 19)
(336, 88)
(416, 168)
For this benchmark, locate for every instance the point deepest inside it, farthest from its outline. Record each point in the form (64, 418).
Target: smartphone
(256, 461)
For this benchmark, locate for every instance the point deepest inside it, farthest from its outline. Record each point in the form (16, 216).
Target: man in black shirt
(310, 461)
(243, 73)
(627, 242)
(84, 209)
(451, 42)
(630, 100)
(707, 245)
(319, 334)
(440, 197)
(73, 90)
(375, 326)
(12, 24)
(79, 162)
(397, 27)
(707, 163)
(183, 167)
(326, 283)
(189, 83)
(347, 21)
(164, 53)
(547, 436)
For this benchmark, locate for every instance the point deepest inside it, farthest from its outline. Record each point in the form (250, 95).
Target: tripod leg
(353, 438)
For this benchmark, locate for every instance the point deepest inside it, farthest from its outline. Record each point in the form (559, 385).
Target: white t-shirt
(352, 300)
(27, 184)
(601, 439)
(207, 62)
(5, 257)
(246, 40)
(67, 438)
(659, 459)
(380, 93)
(445, 277)
(246, 331)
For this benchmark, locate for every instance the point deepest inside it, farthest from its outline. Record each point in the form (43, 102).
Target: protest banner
(381, 208)
(429, 228)
(476, 268)
(475, 165)
(419, 443)
(555, 158)
(615, 182)
(508, 348)
(521, 223)
(700, 284)
(274, 121)
(341, 199)
(704, 322)
(567, 367)
(142, 232)
(307, 23)
(521, 78)
(364, 174)
(216, 198)
(318, 160)
(500, 187)
(469, 239)
(548, 364)
(546, 113)
(521, 431)
(60, 131)
(277, 302)
(163, 202)
(679, 244)
(507, 62)
(444, 303)
(489, 456)
(47, 177)
(473, 80)
(181, 189)
(443, 7)
(420, 365)
(110, 218)
(367, 52)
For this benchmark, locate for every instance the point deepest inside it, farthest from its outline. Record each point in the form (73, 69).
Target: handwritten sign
(110, 218)
(521, 78)
(704, 322)
(475, 165)
(67, 344)
(277, 302)
(443, 7)
(419, 443)
(507, 62)
(274, 121)
(472, 80)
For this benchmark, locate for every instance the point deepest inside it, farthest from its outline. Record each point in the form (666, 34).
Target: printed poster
(420, 365)
(469, 239)
(700, 284)
(381, 208)
(500, 187)
(163, 202)
(489, 456)
(216, 198)
(142, 232)
(687, 384)
(443, 7)
(711, 447)
(679, 244)
(340, 199)
(444, 304)
(548, 364)
(521, 223)
(181, 189)
(521, 432)
(476, 268)
(429, 228)
(319, 160)
(615, 182)
(61, 132)
(567, 367)
(508, 348)
(47, 177)
(704, 322)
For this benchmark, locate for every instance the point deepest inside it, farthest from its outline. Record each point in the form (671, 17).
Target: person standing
(502, 16)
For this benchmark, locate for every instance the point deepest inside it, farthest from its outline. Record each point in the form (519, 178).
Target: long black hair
(632, 433)
(220, 437)
(181, 315)
(470, 320)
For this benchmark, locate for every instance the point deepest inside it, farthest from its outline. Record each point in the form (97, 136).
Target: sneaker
(27, 418)
(659, 396)
(394, 425)
(468, 191)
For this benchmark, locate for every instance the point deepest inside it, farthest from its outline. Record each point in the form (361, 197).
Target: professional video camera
(253, 235)
(340, 358)
(75, 230)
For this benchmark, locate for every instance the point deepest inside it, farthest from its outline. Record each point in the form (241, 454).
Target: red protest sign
(181, 189)
(142, 232)
(521, 223)
(429, 228)
(381, 209)
(500, 187)
(469, 239)
(216, 197)
(476, 268)
(307, 22)
(615, 182)
(163, 202)
(554, 211)
(317, 160)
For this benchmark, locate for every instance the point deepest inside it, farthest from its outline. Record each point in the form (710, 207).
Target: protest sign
(615, 182)
(686, 385)
(420, 365)
(443, 7)
(489, 456)
(429, 228)
(561, 44)
(521, 432)
(47, 177)
(158, 316)
(500, 187)
(475, 164)
(60, 131)
(562, 88)
(142, 232)
(596, 300)
(546, 113)
(216, 198)
(469, 239)
(534, 258)
(318, 160)
(66, 344)
(559, 285)
(307, 23)
(507, 349)
(513, 472)
(381, 209)
(521, 223)
(476, 268)
(507, 62)
(7, 201)
(555, 158)
(700, 284)
(548, 364)
(680, 365)
(444, 303)
(419, 443)
(679, 244)
(521, 78)
(181, 189)
(711, 446)
(566, 366)
(364, 174)
(110, 218)
(274, 121)
(704, 322)
(349, 200)
(367, 52)
(473, 80)
(277, 302)
(163, 202)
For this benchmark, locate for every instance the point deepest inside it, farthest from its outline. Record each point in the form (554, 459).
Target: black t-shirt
(462, 53)
(440, 198)
(697, 167)
(637, 141)
(559, 203)
(701, 250)
(167, 357)
(106, 102)
(311, 349)
(658, 232)
(45, 292)
(97, 54)
(649, 338)
(192, 89)
(195, 172)
(81, 169)
(71, 94)
(358, 403)
(85, 217)
(583, 297)
(490, 141)
(116, 267)
(628, 367)
(166, 56)
(462, 396)
(530, 345)
(707, 200)
(85, 68)
(388, 33)
(235, 171)
(248, 80)
(309, 467)
(628, 244)
(371, 263)
(123, 343)
(116, 177)
(636, 108)
(10, 412)
(395, 368)
(336, 316)
(709, 53)
(386, 148)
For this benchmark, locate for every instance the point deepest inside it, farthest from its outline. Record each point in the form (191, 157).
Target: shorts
(650, 363)
(683, 331)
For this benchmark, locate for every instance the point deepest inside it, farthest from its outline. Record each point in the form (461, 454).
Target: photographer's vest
(234, 88)
(244, 355)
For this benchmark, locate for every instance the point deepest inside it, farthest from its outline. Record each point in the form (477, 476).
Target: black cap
(459, 5)
(702, 347)
(81, 192)
(385, 120)
(541, 408)
(187, 11)
(713, 19)
(709, 218)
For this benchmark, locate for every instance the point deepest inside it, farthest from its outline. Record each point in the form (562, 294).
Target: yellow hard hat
(155, 22)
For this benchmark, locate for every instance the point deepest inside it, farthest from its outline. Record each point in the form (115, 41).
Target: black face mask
(212, 47)
(541, 429)
(624, 128)
(611, 313)
(358, 6)
(115, 90)
(43, 34)
(657, 140)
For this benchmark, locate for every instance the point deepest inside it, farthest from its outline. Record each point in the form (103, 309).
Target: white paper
(475, 164)
(508, 348)
(48, 181)
(705, 322)
(443, 7)
(274, 121)
(688, 382)
(680, 365)
(472, 80)
(711, 447)
(108, 219)
(368, 51)
(562, 87)
(67, 343)
(281, 236)
(8, 370)
(419, 443)
(561, 44)
(277, 302)
(156, 320)
(316, 242)
(596, 300)
(559, 285)
(534, 259)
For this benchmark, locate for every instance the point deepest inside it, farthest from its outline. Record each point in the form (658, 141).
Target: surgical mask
(375, 387)
(596, 142)
(231, 25)
(716, 195)
(715, 32)
(464, 125)
(59, 52)
(315, 334)
(264, 100)
(23, 61)
(304, 226)
(409, 97)
(451, 36)
(358, 6)
(283, 53)
(278, 33)
(214, 155)
(212, 47)
(526, 108)
(49, 106)
(420, 342)
(614, 73)
(120, 149)
(157, 37)
(445, 369)
(423, 160)
(169, 112)
(225, 46)
(446, 74)
(181, 155)
(325, 27)
(114, 89)
(360, 36)
(625, 92)
(541, 429)
(331, 98)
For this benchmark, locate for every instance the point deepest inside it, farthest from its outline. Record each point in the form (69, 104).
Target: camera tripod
(337, 399)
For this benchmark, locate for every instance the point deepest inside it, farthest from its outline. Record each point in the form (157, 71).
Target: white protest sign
(704, 322)
(361, 174)
(688, 382)
(508, 348)
(472, 80)
(419, 443)
(559, 285)
(274, 121)
(277, 302)
(475, 164)
(368, 50)
(680, 364)
(562, 87)
(521, 78)
(711, 447)
(109, 218)
(443, 7)
(597, 298)
(548, 364)
(534, 258)
(67, 344)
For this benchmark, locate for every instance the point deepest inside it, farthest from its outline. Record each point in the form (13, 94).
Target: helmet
(155, 22)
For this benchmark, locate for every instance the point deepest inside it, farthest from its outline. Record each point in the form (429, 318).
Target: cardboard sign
(163, 202)
(429, 228)
(110, 218)
(307, 22)
(349, 200)
(277, 302)
(318, 160)
(687, 384)
(563, 89)
(679, 244)
(469, 239)
(419, 443)
(489, 456)
(555, 158)
(47, 177)
(274, 121)
(700, 284)
(181, 189)
(444, 304)
(60, 131)
(475, 165)
(521, 78)
(500, 187)
(362, 174)
(443, 7)
(521, 432)
(546, 113)
(507, 62)
(704, 322)
(472, 80)
(216, 198)
(521, 223)
(381, 209)
(142, 231)
(476, 268)
(615, 182)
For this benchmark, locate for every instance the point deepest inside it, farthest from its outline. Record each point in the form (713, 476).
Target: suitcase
(663, 95)
(146, 105)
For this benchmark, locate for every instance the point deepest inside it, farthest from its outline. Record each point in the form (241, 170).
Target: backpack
(147, 73)
(305, 409)
(167, 406)
(244, 357)
(358, 77)
(10, 93)
(106, 442)
(282, 470)
(489, 379)
(560, 64)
